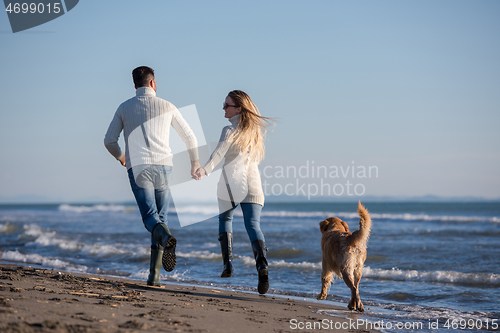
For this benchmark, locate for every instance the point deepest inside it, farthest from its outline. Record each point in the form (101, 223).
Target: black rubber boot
(162, 236)
(155, 265)
(259, 252)
(226, 246)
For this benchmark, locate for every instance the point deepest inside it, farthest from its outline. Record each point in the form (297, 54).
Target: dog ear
(345, 226)
(323, 225)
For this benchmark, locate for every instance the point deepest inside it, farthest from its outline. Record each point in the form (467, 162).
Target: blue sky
(411, 87)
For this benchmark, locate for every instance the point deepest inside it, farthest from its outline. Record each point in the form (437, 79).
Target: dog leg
(326, 280)
(349, 281)
(357, 277)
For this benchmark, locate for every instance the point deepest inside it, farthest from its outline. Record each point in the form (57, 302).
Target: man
(145, 120)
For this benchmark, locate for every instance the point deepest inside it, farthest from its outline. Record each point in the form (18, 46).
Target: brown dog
(344, 254)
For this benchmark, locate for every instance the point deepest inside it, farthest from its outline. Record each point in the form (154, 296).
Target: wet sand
(42, 300)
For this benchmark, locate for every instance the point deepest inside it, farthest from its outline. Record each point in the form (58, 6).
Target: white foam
(205, 255)
(406, 216)
(33, 230)
(415, 311)
(16, 256)
(107, 250)
(304, 264)
(416, 318)
(318, 214)
(249, 261)
(439, 218)
(3, 228)
(176, 275)
(140, 275)
(49, 238)
(100, 208)
(211, 244)
(482, 279)
(198, 210)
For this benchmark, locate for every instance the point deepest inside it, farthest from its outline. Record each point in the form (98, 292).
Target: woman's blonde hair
(252, 127)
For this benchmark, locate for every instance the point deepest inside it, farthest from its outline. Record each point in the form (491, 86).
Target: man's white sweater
(145, 120)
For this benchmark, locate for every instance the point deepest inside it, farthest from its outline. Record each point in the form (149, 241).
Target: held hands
(195, 166)
(199, 174)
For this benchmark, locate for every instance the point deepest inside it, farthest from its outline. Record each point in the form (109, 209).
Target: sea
(430, 266)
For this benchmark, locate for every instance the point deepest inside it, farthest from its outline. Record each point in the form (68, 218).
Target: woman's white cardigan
(240, 179)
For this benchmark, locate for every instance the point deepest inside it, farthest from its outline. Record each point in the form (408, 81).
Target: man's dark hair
(142, 76)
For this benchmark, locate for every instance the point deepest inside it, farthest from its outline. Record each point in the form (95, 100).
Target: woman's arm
(220, 151)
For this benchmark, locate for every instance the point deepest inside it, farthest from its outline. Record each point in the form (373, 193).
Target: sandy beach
(43, 300)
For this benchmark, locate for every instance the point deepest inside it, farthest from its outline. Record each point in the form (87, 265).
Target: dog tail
(365, 226)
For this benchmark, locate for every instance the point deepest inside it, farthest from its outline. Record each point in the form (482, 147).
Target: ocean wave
(103, 250)
(95, 208)
(198, 210)
(437, 218)
(416, 318)
(476, 279)
(415, 311)
(48, 238)
(8, 228)
(405, 217)
(210, 211)
(301, 265)
(204, 255)
(16, 256)
(211, 244)
(176, 275)
(249, 261)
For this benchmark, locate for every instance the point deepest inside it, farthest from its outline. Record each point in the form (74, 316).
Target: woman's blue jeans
(251, 217)
(150, 184)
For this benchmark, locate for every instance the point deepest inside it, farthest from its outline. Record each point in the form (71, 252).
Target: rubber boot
(155, 265)
(162, 236)
(259, 253)
(226, 246)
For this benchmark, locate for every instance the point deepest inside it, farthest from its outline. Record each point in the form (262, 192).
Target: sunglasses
(225, 105)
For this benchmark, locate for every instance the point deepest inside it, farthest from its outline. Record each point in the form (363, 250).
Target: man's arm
(186, 133)
(123, 161)
(112, 136)
(195, 166)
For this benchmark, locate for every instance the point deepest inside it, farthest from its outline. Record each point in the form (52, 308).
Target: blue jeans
(152, 193)
(251, 217)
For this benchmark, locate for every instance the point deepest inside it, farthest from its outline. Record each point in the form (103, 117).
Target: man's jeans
(150, 184)
(251, 217)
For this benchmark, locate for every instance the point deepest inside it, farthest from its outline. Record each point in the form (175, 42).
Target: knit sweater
(145, 120)
(239, 173)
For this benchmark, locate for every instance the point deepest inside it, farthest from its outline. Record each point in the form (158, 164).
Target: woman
(242, 146)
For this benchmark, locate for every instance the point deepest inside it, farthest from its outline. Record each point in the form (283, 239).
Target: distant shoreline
(283, 200)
